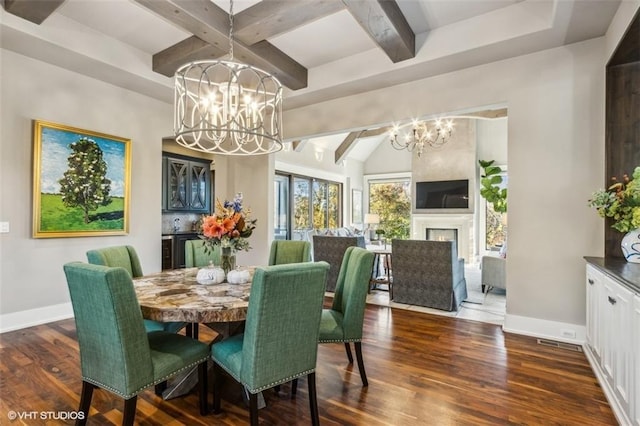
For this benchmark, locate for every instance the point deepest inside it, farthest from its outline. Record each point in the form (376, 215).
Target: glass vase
(631, 246)
(228, 259)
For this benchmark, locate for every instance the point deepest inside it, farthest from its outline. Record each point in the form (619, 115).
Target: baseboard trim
(23, 319)
(545, 329)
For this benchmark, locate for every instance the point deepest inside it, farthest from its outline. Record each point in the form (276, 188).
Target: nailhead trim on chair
(340, 341)
(270, 385)
(95, 382)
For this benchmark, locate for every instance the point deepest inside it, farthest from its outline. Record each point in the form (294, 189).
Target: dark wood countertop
(625, 272)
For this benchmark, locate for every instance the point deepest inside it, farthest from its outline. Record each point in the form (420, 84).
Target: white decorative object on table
(210, 275)
(238, 276)
(631, 246)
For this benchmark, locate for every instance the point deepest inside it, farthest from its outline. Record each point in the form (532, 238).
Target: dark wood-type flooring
(423, 370)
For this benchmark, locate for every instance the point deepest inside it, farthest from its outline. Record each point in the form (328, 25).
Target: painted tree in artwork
(85, 184)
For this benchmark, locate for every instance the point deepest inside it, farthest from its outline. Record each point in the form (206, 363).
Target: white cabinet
(594, 323)
(613, 342)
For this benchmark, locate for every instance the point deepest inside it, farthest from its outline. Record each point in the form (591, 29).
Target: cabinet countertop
(620, 269)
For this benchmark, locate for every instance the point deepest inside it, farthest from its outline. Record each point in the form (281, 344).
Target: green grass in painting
(56, 217)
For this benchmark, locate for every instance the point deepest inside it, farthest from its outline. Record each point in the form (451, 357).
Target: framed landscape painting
(81, 182)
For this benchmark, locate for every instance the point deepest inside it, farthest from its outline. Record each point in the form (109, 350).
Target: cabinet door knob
(590, 281)
(612, 300)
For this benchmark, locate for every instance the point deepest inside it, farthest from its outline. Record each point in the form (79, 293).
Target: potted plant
(621, 202)
(490, 188)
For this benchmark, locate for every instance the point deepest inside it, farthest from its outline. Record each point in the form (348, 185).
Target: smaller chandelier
(226, 107)
(422, 135)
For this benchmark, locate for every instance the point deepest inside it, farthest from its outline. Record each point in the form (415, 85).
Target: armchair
(428, 273)
(493, 273)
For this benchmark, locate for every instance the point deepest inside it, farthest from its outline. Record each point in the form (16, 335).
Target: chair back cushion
(197, 255)
(122, 256)
(331, 250)
(114, 348)
(352, 287)
(285, 251)
(283, 320)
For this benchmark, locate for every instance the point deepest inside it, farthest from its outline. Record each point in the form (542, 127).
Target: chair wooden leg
(482, 288)
(85, 402)
(202, 388)
(348, 348)
(363, 374)
(313, 399)
(253, 408)
(294, 387)
(217, 387)
(129, 414)
(160, 387)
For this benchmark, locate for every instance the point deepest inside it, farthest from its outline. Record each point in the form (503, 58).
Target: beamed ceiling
(319, 49)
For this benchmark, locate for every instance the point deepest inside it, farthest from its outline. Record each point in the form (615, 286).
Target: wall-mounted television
(443, 194)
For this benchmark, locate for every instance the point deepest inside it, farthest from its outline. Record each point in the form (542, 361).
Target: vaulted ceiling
(319, 49)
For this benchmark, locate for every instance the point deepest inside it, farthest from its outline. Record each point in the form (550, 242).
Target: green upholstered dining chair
(286, 251)
(127, 258)
(280, 340)
(116, 352)
(343, 322)
(196, 255)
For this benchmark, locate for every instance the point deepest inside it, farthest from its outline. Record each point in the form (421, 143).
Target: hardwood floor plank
(423, 370)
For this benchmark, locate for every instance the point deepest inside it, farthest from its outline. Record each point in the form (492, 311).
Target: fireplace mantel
(463, 223)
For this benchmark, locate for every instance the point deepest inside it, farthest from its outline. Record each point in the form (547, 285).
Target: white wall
(555, 100)
(31, 275)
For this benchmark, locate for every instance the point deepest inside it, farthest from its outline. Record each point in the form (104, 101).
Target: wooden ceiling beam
(189, 50)
(270, 18)
(35, 11)
(210, 23)
(386, 25)
(347, 145)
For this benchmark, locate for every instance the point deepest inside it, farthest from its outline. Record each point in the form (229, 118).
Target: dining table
(175, 295)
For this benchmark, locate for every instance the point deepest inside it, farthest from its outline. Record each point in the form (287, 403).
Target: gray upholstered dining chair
(343, 322)
(126, 257)
(196, 254)
(116, 352)
(280, 340)
(287, 251)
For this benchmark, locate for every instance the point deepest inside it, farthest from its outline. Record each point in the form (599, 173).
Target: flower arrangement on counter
(229, 226)
(621, 202)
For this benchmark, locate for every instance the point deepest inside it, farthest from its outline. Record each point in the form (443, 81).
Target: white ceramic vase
(631, 246)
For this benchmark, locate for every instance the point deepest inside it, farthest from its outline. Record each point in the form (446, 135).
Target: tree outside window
(392, 201)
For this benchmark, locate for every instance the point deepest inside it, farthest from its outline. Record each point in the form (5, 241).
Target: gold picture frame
(81, 182)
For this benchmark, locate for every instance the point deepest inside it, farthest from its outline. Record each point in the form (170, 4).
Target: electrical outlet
(4, 227)
(565, 332)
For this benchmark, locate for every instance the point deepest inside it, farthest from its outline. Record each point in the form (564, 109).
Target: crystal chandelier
(226, 107)
(422, 135)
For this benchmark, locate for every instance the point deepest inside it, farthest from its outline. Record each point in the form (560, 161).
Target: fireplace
(442, 234)
(447, 226)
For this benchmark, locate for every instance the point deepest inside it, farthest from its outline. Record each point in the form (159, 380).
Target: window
(391, 199)
(311, 203)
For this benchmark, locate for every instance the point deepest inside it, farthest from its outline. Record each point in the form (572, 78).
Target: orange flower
(211, 228)
(228, 224)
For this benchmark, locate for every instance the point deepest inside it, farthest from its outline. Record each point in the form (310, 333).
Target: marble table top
(174, 295)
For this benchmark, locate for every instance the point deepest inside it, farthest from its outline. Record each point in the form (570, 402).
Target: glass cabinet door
(177, 184)
(198, 193)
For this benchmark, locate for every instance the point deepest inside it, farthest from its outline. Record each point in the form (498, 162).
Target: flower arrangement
(229, 226)
(621, 202)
